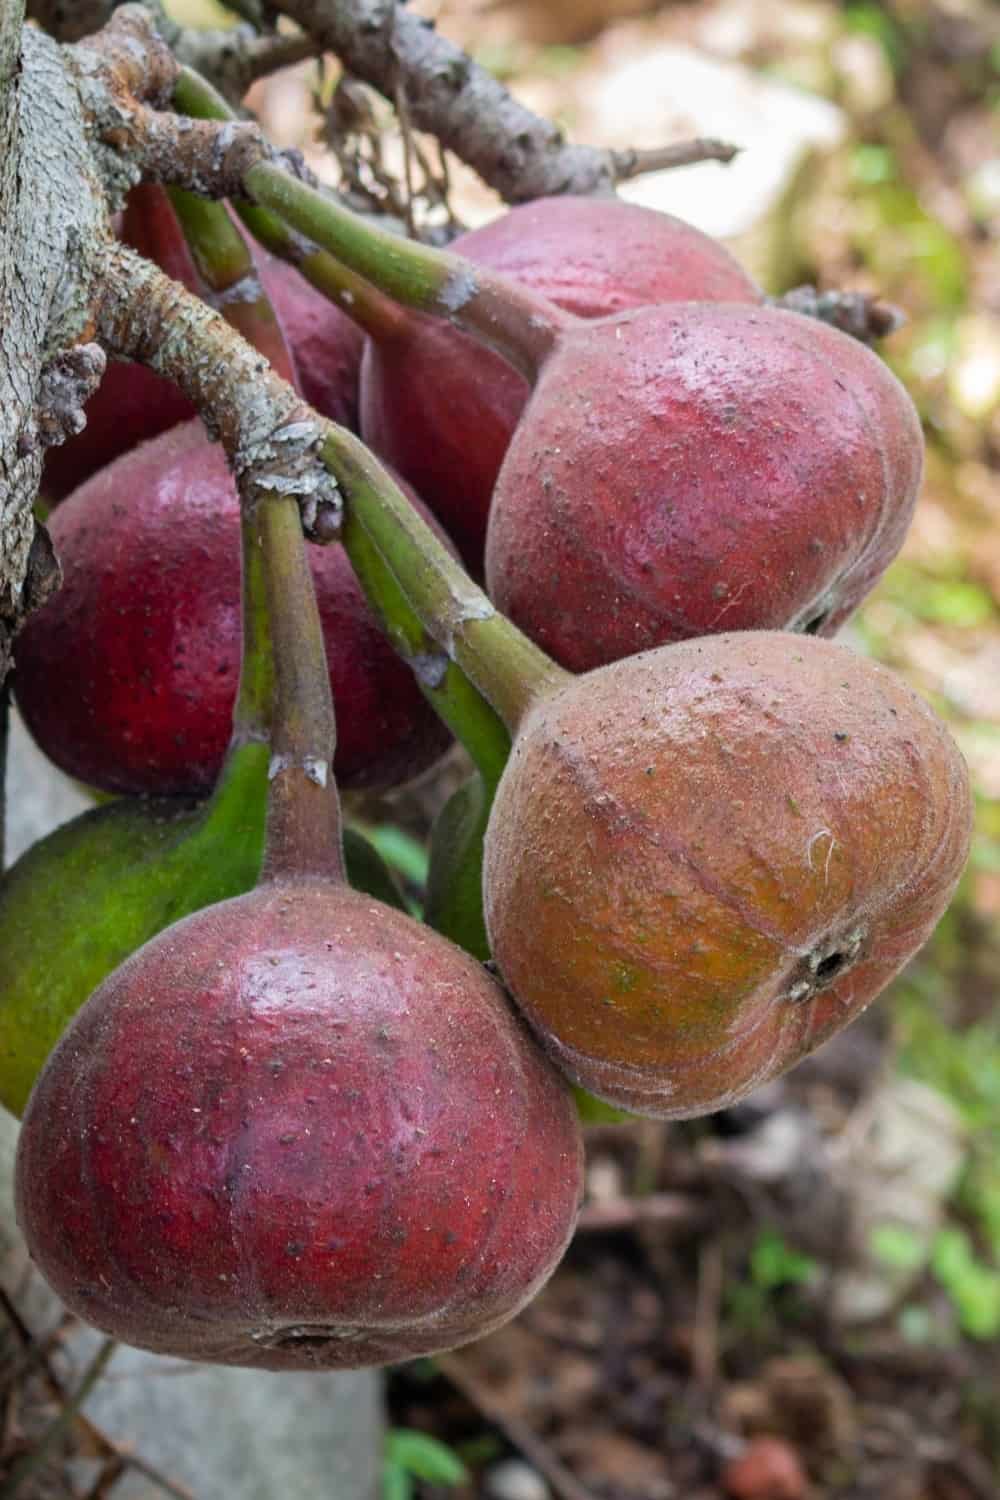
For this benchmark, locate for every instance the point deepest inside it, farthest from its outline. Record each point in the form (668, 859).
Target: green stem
(507, 668)
(376, 314)
(226, 266)
(520, 325)
(284, 681)
(304, 835)
(466, 713)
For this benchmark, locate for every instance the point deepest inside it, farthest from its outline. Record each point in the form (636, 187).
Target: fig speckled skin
(144, 636)
(704, 860)
(298, 1130)
(441, 408)
(697, 468)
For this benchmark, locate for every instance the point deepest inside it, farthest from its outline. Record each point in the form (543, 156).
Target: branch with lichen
(49, 196)
(271, 436)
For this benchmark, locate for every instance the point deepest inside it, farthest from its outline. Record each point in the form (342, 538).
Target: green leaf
(973, 1287)
(898, 1246)
(424, 1457)
(396, 1483)
(774, 1263)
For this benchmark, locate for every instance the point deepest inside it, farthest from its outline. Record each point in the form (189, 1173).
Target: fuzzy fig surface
(298, 1131)
(144, 636)
(703, 861)
(695, 468)
(441, 408)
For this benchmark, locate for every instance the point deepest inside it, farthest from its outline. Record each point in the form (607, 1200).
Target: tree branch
(52, 216)
(233, 60)
(861, 314)
(514, 150)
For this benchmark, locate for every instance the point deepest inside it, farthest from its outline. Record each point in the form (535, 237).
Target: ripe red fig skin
(144, 637)
(441, 408)
(298, 1130)
(705, 860)
(325, 344)
(698, 468)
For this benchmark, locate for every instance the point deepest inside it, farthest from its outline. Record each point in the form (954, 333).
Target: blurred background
(800, 1297)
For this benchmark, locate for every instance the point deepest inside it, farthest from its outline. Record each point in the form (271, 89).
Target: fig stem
(519, 324)
(283, 679)
(223, 260)
(226, 266)
(452, 696)
(304, 833)
(507, 668)
(374, 312)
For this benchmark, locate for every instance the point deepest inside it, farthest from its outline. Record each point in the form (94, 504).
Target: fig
(298, 1130)
(149, 616)
(705, 860)
(680, 468)
(441, 408)
(699, 468)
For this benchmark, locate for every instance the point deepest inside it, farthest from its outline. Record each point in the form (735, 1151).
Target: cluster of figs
(293, 1126)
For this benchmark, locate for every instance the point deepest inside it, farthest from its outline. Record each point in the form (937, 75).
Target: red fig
(298, 1130)
(441, 408)
(679, 468)
(148, 621)
(697, 468)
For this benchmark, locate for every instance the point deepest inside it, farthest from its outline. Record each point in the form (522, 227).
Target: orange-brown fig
(706, 859)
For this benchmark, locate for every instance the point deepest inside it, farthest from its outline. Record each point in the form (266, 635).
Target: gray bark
(517, 152)
(51, 218)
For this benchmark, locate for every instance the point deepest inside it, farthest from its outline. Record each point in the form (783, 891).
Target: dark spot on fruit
(829, 966)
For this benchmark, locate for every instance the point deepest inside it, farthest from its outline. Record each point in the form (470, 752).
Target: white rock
(671, 93)
(39, 797)
(515, 1480)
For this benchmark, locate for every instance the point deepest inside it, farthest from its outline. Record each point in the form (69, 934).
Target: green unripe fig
(80, 901)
